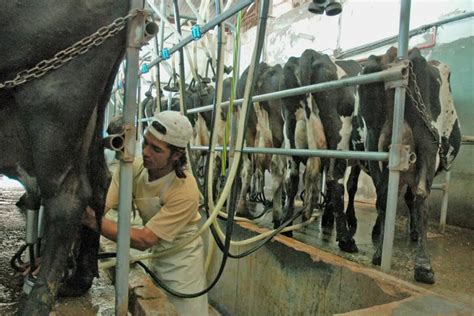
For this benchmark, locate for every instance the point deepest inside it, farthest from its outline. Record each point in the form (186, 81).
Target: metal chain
(417, 101)
(79, 48)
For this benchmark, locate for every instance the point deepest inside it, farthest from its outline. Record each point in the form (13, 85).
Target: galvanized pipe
(386, 75)
(444, 202)
(394, 153)
(338, 154)
(126, 171)
(205, 28)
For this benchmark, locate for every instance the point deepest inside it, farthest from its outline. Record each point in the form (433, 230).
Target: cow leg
(246, 175)
(377, 231)
(423, 271)
(311, 182)
(291, 181)
(62, 219)
(352, 182)
(277, 170)
(410, 202)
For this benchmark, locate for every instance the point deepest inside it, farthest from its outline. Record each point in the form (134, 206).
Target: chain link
(417, 100)
(61, 58)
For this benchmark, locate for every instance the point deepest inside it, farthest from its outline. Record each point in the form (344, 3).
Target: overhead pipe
(205, 28)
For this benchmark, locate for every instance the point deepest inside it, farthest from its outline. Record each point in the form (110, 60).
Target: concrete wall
(287, 277)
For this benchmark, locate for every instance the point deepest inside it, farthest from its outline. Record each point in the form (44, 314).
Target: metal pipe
(394, 153)
(386, 75)
(444, 203)
(181, 60)
(205, 28)
(126, 171)
(386, 41)
(324, 153)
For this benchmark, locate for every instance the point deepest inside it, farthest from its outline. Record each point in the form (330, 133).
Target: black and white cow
(51, 128)
(264, 129)
(432, 131)
(320, 120)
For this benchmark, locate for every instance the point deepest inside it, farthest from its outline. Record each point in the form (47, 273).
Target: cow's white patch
(345, 132)
(316, 137)
(301, 140)
(445, 121)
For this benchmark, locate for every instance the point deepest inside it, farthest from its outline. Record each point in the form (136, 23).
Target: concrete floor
(452, 253)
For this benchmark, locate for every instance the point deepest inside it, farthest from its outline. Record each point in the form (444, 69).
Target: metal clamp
(129, 133)
(196, 32)
(403, 157)
(165, 53)
(401, 66)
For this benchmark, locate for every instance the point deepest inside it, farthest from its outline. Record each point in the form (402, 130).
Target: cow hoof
(414, 236)
(75, 287)
(348, 246)
(424, 275)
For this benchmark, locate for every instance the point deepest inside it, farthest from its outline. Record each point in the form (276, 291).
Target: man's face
(156, 154)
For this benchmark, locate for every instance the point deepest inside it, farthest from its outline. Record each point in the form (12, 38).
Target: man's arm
(140, 238)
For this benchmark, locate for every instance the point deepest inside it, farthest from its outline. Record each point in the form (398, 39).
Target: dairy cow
(320, 120)
(51, 127)
(431, 129)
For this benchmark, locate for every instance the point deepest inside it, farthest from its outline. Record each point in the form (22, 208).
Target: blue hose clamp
(165, 53)
(144, 69)
(196, 32)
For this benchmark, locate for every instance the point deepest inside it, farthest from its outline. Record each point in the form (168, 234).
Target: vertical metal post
(444, 202)
(394, 154)
(126, 164)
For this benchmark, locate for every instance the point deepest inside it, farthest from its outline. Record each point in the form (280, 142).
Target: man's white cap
(173, 128)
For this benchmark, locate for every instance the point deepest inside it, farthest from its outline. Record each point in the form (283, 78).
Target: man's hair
(179, 165)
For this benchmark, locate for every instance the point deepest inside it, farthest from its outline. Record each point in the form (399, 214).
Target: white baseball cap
(171, 127)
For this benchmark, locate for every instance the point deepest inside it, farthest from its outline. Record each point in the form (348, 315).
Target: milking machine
(34, 235)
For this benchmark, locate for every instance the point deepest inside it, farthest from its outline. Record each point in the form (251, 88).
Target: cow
(431, 129)
(51, 128)
(320, 120)
(264, 129)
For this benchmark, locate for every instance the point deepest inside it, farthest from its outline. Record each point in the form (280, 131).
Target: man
(166, 196)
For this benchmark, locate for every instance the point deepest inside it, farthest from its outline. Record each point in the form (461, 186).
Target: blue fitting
(196, 31)
(144, 69)
(165, 53)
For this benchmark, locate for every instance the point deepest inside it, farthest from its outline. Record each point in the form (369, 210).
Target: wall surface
(287, 277)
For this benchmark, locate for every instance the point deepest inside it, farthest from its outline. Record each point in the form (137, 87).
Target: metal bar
(444, 203)
(394, 154)
(324, 153)
(386, 75)
(205, 28)
(126, 172)
(386, 41)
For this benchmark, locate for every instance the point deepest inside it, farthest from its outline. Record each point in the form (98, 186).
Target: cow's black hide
(435, 148)
(50, 128)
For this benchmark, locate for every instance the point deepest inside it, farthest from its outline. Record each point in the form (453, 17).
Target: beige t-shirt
(166, 205)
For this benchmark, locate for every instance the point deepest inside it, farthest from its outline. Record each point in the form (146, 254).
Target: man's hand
(89, 219)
